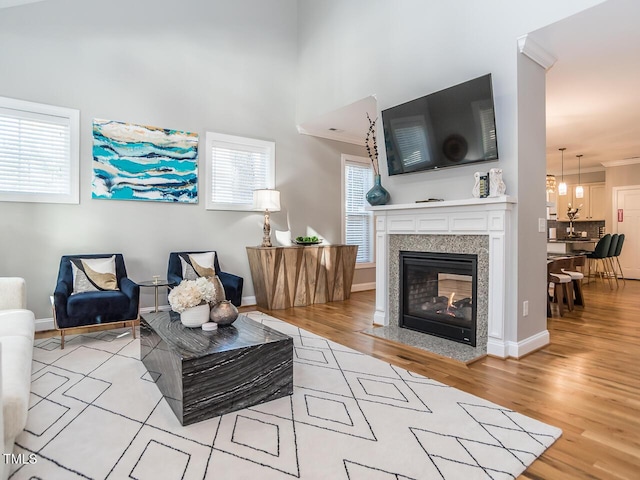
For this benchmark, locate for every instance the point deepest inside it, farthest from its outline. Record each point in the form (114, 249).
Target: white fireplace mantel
(475, 216)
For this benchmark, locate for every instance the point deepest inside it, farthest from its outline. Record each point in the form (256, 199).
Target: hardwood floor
(587, 381)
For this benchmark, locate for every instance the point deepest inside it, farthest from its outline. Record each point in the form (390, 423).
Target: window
(39, 152)
(358, 223)
(236, 166)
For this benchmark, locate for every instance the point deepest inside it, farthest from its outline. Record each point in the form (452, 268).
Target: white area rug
(96, 413)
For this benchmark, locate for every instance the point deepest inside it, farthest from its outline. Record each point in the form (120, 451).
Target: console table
(296, 276)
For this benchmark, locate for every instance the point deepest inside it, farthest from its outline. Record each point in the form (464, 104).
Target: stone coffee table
(204, 374)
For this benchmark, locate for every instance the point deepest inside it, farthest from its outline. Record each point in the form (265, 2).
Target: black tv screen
(452, 127)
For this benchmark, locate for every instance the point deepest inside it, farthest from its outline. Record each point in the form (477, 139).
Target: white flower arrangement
(191, 293)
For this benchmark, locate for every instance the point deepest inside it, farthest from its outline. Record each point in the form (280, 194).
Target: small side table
(155, 283)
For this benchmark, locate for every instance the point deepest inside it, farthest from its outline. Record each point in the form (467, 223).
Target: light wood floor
(587, 381)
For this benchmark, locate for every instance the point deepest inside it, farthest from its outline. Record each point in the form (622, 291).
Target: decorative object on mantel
(191, 300)
(572, 213)
(497, 186)
(223, 313)
(378, 195)
(481, 185)
(268, 201)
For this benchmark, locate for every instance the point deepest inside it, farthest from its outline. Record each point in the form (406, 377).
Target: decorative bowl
(298, 242)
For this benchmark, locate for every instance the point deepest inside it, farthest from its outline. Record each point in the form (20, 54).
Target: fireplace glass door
(438, 294)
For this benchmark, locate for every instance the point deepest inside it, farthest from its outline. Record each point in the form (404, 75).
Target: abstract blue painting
(136, 162)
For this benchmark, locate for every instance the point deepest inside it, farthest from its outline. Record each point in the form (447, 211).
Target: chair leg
(620, 268)
(61, 339)
(568, 293)
(577, 289)
(133, 328)
(615, 273)
(559, 294)
(609, 274)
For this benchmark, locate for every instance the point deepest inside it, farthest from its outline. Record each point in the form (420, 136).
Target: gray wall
(224, 66)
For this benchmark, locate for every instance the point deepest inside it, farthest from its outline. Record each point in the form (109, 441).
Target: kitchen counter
(569, 245)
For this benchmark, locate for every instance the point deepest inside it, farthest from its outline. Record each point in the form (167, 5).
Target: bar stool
(576, 278)
(612, 251)
(616, 255)
(561, 282)
(599, 253)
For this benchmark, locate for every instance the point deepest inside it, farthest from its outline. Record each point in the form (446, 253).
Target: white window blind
(410, 136)
(38, 152)
(236, 166)
(358, 223)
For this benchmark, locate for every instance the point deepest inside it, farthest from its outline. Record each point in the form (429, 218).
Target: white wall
(402, 50)
(226, 65)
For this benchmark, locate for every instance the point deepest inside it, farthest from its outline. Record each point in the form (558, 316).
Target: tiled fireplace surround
(473, 226)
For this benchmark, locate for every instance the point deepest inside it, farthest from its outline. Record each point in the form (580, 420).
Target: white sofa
(17, 328)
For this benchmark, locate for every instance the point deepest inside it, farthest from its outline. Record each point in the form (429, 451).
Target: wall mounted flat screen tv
(449, 128)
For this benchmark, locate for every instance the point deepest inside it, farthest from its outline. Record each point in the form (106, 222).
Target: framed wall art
(137, 162)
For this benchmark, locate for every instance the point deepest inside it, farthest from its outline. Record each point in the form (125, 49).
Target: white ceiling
(593, 90)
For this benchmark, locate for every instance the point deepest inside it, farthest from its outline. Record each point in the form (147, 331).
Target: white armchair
(17, 328)
(13, 293)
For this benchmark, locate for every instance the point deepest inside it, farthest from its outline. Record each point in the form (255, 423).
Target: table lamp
(269, 201)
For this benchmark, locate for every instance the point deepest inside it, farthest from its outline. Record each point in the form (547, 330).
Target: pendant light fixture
(551, 183)
(562, 188)
(579, 189)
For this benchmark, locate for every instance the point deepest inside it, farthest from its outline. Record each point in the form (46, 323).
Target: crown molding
(621, 163)
(535, 52)
(328, 134)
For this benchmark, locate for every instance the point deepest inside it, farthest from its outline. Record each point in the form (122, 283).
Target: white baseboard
(249, 301)
(519, 349)
(528, 345)
(44, 324)
(361, 287)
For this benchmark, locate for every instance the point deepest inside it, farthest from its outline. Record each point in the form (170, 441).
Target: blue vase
(378, 195)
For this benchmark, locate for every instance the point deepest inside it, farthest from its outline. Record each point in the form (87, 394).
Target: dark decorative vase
(378, 195)
(224, 313)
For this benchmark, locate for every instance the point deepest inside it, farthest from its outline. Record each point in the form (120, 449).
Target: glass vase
(378, 195)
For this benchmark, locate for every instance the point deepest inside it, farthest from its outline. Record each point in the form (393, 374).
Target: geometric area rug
(95, 413)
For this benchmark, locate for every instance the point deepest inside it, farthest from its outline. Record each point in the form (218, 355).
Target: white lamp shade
(266, 200)
(579, 191)
(562, 188)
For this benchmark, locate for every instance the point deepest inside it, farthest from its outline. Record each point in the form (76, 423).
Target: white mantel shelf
(445, 203)
(474, 216)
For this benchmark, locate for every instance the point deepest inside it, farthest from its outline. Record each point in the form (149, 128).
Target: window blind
(358, 221)
(236, 169)
(36, 161)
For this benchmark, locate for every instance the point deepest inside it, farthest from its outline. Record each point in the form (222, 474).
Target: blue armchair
(232, 283)
(98, 307)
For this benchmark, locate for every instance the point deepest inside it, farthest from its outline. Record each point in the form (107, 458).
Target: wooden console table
(296, 276)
